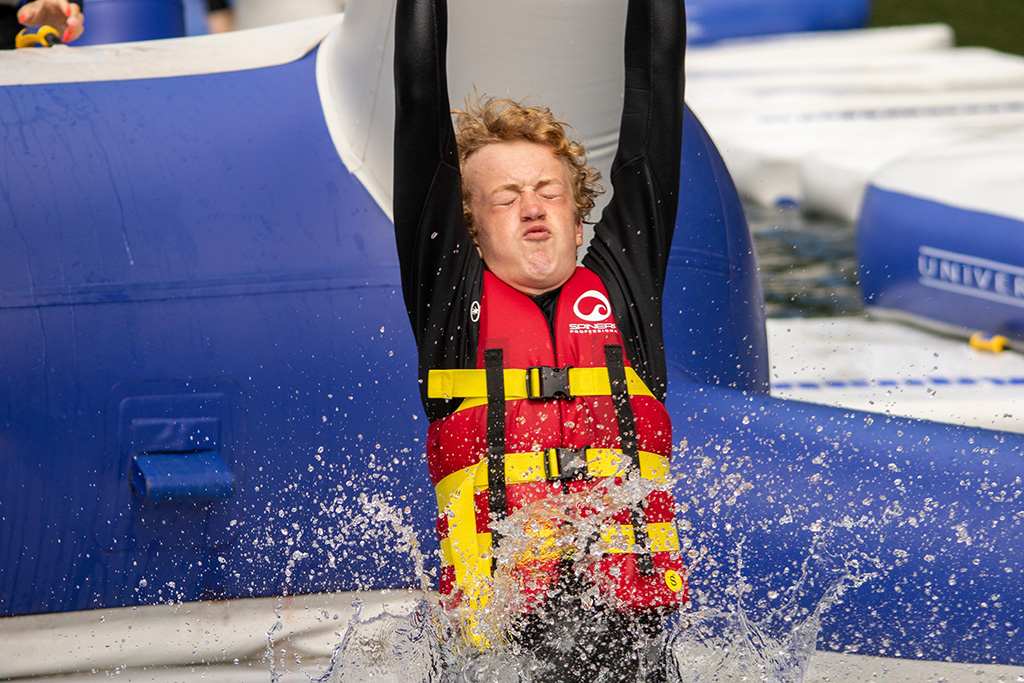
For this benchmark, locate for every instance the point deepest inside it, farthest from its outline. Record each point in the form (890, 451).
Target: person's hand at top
(62, 15)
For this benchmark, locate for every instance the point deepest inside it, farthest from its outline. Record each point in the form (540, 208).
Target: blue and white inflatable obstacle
(941, 236)
(198, 290)
(808, 119)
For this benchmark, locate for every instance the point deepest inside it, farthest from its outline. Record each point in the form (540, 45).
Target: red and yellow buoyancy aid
(562, 404)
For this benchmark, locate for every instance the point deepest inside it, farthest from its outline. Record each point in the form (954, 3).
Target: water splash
(389, 648)
(728, 645)
(427, 643)
(431, 643)
(340, 535)
(702, 645)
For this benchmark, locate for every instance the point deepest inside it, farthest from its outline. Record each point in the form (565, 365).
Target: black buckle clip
(548, 382)
(561, 464)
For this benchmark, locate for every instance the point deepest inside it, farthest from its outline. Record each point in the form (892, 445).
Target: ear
(579, 232)
(475, 236)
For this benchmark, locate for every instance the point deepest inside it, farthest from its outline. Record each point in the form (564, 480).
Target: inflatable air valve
(37, 36)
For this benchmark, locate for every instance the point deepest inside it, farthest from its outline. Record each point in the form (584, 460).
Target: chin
(549, 282)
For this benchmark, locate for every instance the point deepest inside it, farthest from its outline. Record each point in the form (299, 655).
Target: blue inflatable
(120, 21)
(941, 236)
(709, 21)
(177, 283)
(923, 520)
(210, 384)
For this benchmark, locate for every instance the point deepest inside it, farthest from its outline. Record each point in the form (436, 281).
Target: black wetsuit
(442, 274)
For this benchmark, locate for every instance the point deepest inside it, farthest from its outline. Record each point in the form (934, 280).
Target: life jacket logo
(593, 307)
(474, 311)
(599, 308)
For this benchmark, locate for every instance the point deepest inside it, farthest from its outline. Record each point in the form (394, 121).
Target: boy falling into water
(541, 378)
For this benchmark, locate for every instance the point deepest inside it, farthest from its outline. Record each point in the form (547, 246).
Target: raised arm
(631, 242)
(440, 267)
(424, 138)
(652, 112)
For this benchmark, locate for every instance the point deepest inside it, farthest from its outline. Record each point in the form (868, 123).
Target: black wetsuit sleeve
(442, 274)
(9, 27)
(631, 242)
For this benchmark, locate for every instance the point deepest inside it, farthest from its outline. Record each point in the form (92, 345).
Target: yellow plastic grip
(996, 343)
(37, 36)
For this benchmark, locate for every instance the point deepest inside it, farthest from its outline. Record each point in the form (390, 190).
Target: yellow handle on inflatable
(37, 36)
(996, 343)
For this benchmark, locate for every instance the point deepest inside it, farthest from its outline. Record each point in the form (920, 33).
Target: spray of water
(703, 644)
(699, 643)
(728, 645)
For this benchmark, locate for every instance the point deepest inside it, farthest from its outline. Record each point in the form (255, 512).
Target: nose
(531, 208)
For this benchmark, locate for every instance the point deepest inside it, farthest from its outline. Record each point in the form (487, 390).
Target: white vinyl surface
(824, 667)
(895, 369)
(811, 119)
(235, 51)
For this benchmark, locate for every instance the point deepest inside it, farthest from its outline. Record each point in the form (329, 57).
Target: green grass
(998, 24)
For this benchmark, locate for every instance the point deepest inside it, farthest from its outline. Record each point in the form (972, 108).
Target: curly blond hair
(503, 120)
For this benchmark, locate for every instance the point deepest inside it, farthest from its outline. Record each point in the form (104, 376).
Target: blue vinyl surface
(713, 301)
(709, 21)
(927, 515)
(122, 21)
(943, 263)
(193, 249)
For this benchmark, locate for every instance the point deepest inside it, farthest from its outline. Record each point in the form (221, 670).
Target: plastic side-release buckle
(545, 382)
(561, 464)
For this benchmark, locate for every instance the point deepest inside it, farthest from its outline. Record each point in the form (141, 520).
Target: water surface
(808, 263)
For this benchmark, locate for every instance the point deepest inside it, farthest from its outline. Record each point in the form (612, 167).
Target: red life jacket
(641, 566)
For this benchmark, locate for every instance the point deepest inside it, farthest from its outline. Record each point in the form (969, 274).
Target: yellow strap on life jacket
(533, 466)
(661, 537)
(471, 561)
(472, 383)
(618, 539)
